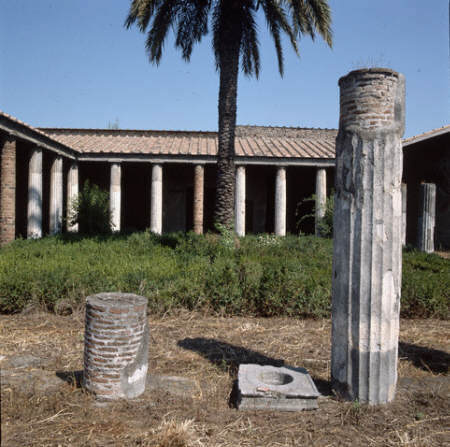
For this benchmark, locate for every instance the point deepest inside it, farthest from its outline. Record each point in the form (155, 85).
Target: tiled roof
(250, 141)
(429, 134)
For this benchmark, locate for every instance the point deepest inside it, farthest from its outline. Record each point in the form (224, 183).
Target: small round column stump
(116, 345)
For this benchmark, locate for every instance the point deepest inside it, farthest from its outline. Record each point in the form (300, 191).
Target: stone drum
(116, 345)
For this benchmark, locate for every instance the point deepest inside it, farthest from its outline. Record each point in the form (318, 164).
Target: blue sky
(66, 63)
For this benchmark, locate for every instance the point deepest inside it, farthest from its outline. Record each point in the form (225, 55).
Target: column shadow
(73, 378)
(428, 359)
(228, 357)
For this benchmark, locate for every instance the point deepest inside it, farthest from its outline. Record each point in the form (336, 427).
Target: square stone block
(265, 387)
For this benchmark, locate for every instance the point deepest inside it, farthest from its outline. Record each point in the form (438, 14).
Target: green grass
(263, 276)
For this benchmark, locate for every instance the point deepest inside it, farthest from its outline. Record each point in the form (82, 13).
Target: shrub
(262, 275)
(90, 210)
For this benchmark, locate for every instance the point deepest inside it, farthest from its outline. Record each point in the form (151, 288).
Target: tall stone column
(115, 195)
(7, 189)
(427, 217)
(240, 201)
(321, 198)
(280, 202)
(157, 199)
(367, 256)
(56, 195)
(404, 214)
(199, 181)
(72, 192)
(34, 211)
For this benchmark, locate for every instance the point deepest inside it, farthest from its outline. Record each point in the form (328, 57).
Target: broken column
(367, 256)
(116, 345)
(321, 199)
(427, 217)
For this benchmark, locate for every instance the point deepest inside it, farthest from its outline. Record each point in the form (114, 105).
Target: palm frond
(164, 19)
(192, 24)
(250, 45)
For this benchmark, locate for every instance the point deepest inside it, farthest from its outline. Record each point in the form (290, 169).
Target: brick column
(115, 192)
(280, 202)
(367, 246)
(240, 201)
(321, 198)
(199, 180)
(56, 195)
(34, 224)
(72, 192)
(8, 190)
(156, 200)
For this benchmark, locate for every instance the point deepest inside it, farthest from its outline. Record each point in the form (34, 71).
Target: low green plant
(261, 275)
(325, 225)
(90, 210)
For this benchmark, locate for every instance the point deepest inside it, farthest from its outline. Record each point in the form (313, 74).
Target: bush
(90, 210)
(262, 275)
(325, 225)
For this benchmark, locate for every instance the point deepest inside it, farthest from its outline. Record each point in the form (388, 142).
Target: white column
(280, 202)
(56, 195)
(321, 198)
(427, 217)
(404, 201)
(34, 224)
(240, 201)
(156, 200)
(115, 193)
(72, 193)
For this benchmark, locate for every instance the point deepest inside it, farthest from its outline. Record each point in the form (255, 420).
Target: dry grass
(209, 349)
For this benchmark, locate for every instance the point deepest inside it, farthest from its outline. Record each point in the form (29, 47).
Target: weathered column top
(372, 100)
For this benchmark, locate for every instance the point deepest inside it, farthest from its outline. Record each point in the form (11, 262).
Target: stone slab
(266, 387)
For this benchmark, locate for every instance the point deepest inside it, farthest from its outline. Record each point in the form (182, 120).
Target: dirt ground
(207, 350)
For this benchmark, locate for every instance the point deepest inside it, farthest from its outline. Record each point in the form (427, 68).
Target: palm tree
(235, 40)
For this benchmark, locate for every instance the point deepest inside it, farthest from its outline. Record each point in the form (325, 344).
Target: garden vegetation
(260, 275)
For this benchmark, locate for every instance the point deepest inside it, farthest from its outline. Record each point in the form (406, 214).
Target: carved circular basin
(275, 378)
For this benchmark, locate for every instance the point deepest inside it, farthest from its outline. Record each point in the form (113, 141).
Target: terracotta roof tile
(273, 145)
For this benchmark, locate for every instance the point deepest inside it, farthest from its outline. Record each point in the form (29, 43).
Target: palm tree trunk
(229, 70)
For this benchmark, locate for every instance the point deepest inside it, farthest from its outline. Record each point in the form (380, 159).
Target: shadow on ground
(73, 378)
(228, 357)
(428, 359)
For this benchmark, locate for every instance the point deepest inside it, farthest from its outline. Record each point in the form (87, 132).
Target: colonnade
(35, 196)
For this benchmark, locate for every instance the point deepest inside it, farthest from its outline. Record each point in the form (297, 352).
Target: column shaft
(56, 195)
(427, 217)
(321, 199)
(7, 190)
(72, 193)
(34, 212)
(156, 199)
(280, 202)
(199, 180)
(240, 201)
(404, 214)
(367, 245)
(115, 195)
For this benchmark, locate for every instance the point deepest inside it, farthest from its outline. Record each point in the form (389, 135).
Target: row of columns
(35, 194)
(280, 200)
